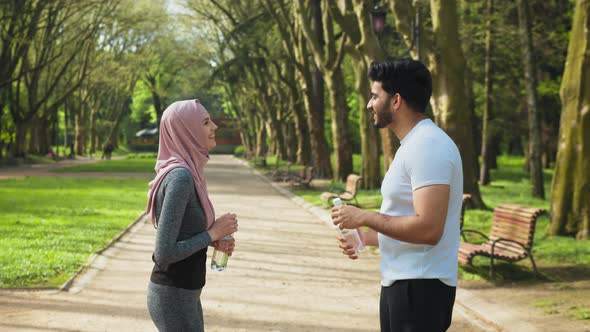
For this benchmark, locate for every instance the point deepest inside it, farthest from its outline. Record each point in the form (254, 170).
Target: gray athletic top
(180, 253)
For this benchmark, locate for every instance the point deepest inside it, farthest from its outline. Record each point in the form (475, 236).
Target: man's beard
(384, 116)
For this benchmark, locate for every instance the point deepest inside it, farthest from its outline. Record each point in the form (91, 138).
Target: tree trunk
(291, 140)
(45, 134)
(156, 99)
(315, 121)
(534, 122)
(18, 149)
(570, 194)
(261, 147)
(449, 100)
(364, 47)
(370, 166)
(92, 129)
(486, 134)
(80, 131)
(34, 132)
(389, 144)
(340, 131)
(303, 152)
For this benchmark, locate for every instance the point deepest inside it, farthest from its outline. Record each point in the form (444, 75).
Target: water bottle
(350, 234)
(219, 258)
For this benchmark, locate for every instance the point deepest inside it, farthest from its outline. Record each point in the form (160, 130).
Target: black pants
(416, 305)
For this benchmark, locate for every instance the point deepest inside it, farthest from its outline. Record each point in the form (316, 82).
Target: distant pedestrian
(51, 154)
(108, 151)
(180, 209)
(417, 228)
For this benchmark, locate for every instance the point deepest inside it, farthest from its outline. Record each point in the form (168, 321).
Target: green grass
(138, 165)
(50, 226)
(558, 257)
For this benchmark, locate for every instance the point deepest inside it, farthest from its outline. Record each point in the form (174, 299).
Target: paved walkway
(286, 275)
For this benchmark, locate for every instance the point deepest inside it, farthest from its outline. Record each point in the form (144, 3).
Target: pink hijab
(183, 143)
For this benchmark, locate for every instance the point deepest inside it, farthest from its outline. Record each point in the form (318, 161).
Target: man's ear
(397, 101)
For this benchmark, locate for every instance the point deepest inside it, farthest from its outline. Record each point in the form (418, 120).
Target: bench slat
(518, 210)
(518, 228)
(497, 235)
(512, 218)
(511, 230)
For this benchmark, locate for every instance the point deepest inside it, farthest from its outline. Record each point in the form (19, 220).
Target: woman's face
(210, 128)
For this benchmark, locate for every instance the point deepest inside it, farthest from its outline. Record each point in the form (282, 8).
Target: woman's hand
(227, 246)
(225, 225)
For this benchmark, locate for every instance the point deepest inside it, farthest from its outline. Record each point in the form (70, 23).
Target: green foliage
(551, 22)
(142, 109)
(239, 151)
(50, 226)
(580, 313)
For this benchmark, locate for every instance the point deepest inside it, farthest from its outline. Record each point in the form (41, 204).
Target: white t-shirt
(427, 156)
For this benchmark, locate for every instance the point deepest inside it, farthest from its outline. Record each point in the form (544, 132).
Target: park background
(287, 81)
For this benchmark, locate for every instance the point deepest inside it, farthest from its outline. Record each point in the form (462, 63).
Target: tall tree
(447, 64)
(570, 198)
(310, 82)
(318, 27)
(363, 46)
(534, 122)
(286, 31)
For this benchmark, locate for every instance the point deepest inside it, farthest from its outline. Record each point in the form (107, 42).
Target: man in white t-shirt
(417, 228)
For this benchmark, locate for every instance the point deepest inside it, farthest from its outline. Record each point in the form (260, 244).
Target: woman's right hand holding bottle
(225, 225)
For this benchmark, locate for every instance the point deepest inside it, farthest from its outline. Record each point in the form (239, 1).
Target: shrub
(239, 151)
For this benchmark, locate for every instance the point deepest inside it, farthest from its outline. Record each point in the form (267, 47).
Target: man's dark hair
(410, 78)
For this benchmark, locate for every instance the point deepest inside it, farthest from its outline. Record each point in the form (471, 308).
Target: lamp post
(378, 14)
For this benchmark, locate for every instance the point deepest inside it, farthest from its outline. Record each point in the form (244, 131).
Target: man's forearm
(411, 229)
(369, 237)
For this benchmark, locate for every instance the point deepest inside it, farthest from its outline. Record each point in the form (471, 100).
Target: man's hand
(347, 216)
(348, 248)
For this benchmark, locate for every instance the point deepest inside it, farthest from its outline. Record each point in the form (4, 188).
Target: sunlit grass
(50, 226)
(137, 165)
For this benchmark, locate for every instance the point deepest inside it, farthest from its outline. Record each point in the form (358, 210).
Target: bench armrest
(474, 231)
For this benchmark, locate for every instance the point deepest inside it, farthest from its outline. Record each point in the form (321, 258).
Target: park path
(286, 274)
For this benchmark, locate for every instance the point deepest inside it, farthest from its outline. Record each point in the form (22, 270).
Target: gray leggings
(175, 309)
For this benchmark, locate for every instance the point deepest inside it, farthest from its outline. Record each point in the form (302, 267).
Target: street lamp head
(378, 19)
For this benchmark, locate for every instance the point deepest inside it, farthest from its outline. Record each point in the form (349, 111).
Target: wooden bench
(511, 238)
(349, 193)
(278, 175)
(304, 179)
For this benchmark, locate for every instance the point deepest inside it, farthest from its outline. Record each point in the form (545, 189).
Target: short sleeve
(430, 163)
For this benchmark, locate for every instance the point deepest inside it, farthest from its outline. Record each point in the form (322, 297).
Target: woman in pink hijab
(179, 206)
